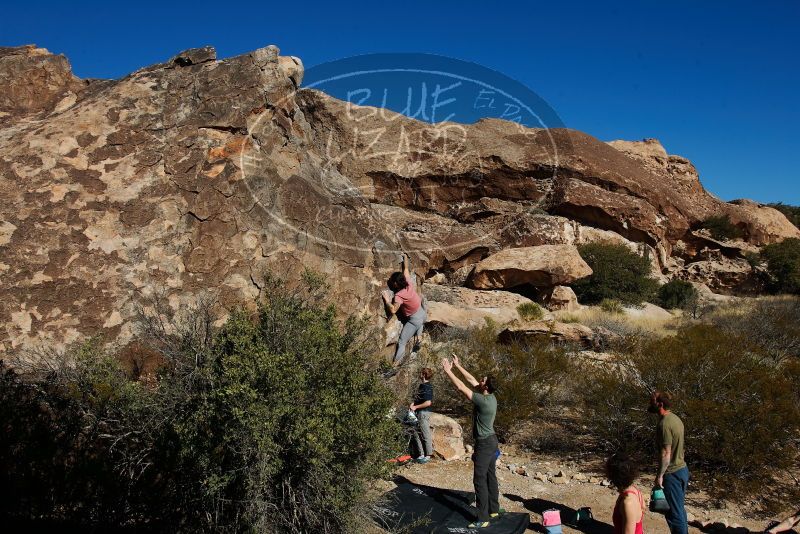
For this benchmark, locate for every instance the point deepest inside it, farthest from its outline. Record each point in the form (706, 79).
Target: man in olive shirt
(484, 476)
(673, 475)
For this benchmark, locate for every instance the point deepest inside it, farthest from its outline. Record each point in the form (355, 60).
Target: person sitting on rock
(407, 304)
(622, 471)
(484, 456)
(785, 525)
(422, 407)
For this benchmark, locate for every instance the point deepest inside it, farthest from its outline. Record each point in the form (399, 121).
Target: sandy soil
(526, 494)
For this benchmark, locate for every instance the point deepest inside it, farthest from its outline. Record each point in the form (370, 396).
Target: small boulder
(561, 298)
(648, 311)
(292, 67)
(448, 437)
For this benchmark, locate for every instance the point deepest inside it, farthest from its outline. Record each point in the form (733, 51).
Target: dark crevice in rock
(236, 130)
(596, 217)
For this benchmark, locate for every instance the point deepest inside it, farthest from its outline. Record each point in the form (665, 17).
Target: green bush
(740, 410)
(618, 273)
(720, 227)
(677, 294)
(783, 265)
(256, 428)
(530, 311)
(611, 306)
(791, 212)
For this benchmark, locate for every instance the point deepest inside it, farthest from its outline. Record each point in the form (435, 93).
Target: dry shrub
(739, 409)
(772, 323)
(529, 376)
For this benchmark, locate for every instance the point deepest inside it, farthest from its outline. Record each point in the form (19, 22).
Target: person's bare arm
(404, 260)
(666, 456)
(469, 378)
(421, 405)
(448, 370)
(390, 306)
(633, 512)
(786, 524)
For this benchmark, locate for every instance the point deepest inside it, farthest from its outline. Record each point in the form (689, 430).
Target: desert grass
(620, 323)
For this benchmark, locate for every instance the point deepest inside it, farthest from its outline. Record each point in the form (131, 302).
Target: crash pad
(429, 510)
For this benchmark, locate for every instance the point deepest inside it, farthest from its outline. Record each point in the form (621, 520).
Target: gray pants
(411, 327)
(425, 445)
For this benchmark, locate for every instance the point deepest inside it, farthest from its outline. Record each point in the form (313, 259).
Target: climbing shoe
(498, 513)
(478, 524)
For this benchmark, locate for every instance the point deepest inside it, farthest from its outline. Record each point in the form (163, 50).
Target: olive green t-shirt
(485, 408)
(669, 433)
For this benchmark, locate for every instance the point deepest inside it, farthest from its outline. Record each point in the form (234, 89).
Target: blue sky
(717, 82)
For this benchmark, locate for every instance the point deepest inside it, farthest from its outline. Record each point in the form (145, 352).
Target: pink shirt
(409, 299)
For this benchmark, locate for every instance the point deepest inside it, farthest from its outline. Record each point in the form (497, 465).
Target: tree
(618, 274)
(677, 294)
(783, 265)
(720, 227)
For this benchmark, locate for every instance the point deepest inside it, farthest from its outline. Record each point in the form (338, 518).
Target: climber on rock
(407, 303)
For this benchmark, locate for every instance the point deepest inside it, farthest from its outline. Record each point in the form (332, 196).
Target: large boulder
(648, 311)
(442, 314)
(571, 333)
(542, 266)
(465, 308)
(762, 224)
(448, 437)
(472, 298)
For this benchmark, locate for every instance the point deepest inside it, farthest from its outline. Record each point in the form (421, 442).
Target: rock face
(34, 80)
(542, 266)
(197, 175)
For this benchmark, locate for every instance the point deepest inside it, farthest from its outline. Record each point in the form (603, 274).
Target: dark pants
(484, 477)
(675, 485)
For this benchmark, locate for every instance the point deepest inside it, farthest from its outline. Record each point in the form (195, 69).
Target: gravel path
(521, 493)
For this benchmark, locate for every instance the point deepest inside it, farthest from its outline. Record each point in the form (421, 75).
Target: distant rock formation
(196, 175)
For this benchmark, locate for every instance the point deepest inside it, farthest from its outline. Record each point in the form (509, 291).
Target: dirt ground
(519, 493)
